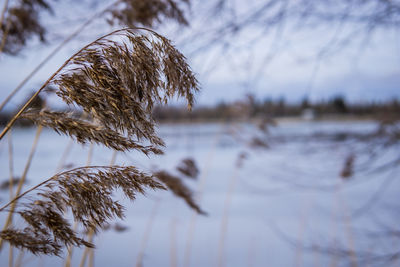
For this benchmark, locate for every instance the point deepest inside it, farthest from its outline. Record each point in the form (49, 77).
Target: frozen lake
(285, 205)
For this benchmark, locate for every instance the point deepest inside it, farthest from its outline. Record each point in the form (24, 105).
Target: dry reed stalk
(91, 257)
(3, 12)
(180, 190)
(18, 262)
(21, 181)
(147, 232)
(200, 189)
(2, 16)
(344, 211)
(333, 234)
(11, 187)
(10, 165)
(90, 155)
(225, 217)
(86, 251)
(4, 37)
(64, 156)
(298, 259)
(173, 249)
(70, 248)
(90, 235)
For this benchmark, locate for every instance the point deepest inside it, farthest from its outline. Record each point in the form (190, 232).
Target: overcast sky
(366, 72)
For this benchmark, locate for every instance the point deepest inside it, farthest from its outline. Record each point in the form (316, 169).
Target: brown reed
(87, 193)
(6, 28)
(146, 234)
(10, 186)
(22, 181)
(200, 189)
(70, 248)
(87, 132)
(90, 235)
(117, 84)
(20, 23)
(179, 189)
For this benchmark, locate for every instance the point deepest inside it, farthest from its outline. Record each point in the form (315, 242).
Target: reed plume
(179, 189)
(86, 132)
(117, 83)
(87, 193)
(21, 23)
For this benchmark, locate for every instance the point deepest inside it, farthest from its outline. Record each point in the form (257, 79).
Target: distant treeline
(254, 108)
(251, 107)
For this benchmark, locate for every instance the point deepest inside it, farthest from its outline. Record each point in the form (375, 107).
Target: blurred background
(291, 150)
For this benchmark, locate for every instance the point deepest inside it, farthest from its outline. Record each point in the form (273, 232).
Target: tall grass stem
(11, 187)
(89, 251)
(200, 189)
(22, 181)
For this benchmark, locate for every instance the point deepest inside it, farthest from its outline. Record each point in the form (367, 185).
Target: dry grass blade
(87, 132)
(87, 193)
(179, 189)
